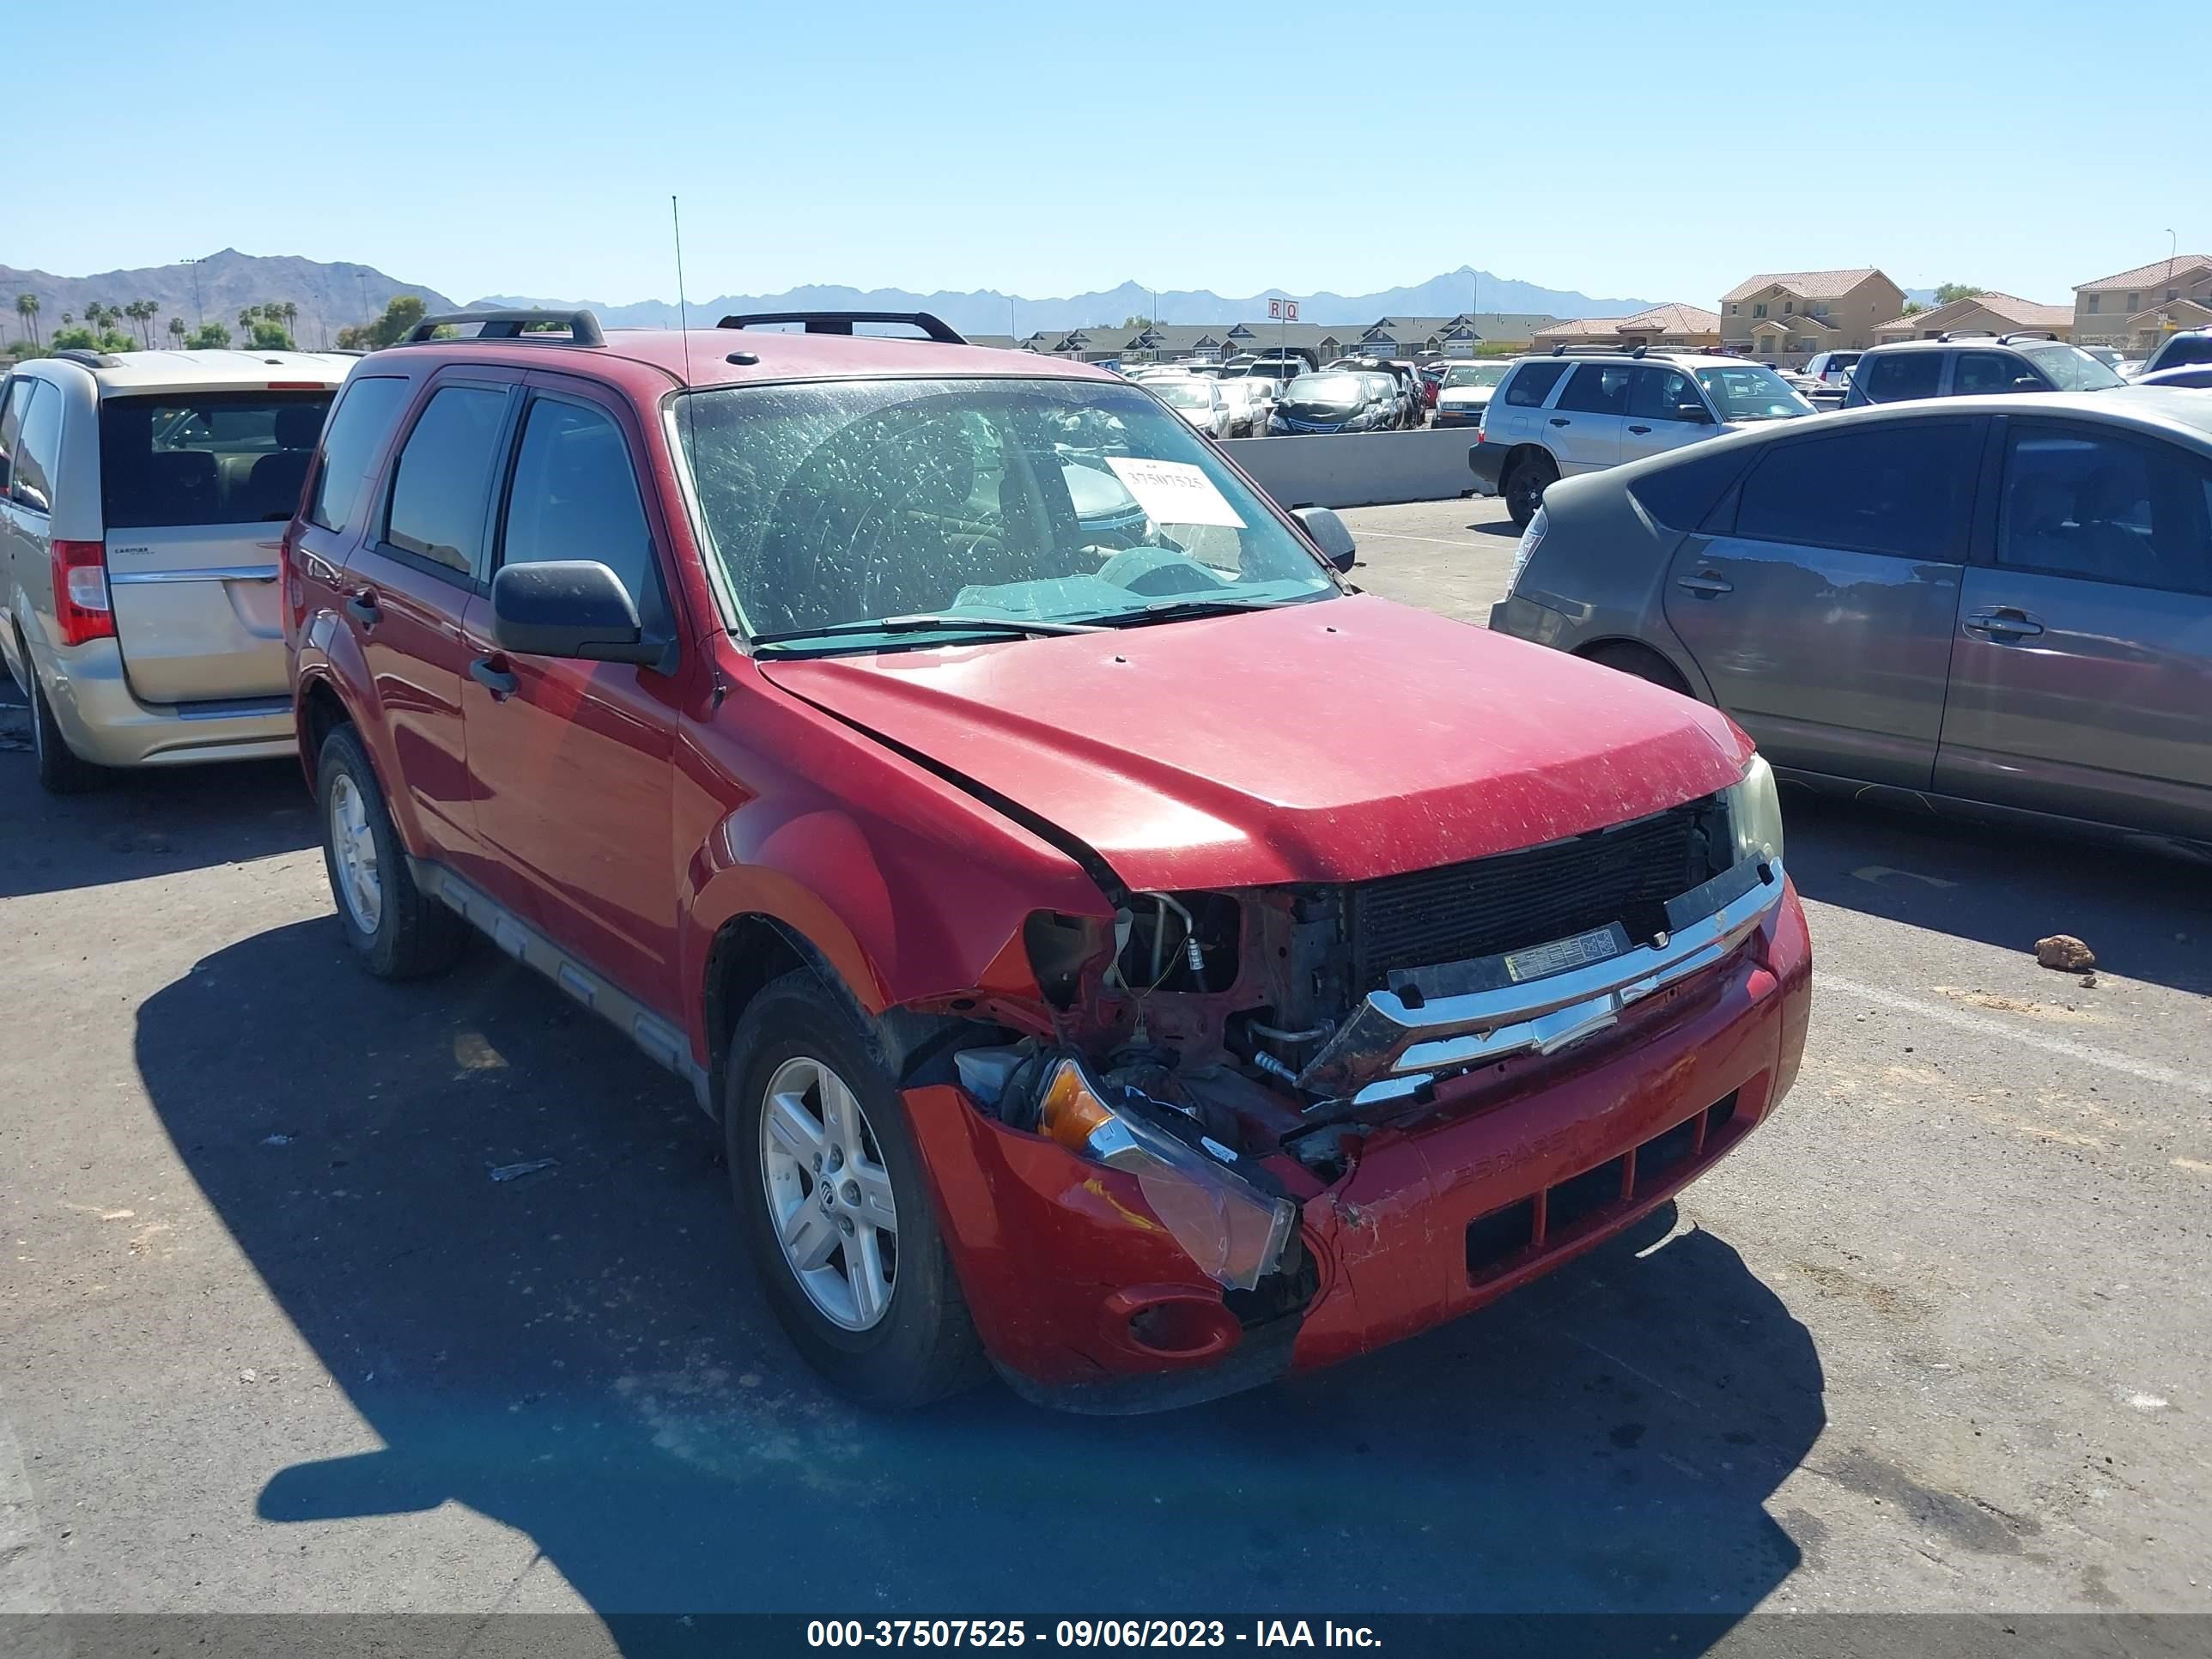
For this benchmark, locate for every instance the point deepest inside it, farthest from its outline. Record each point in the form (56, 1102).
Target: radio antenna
(683, 310)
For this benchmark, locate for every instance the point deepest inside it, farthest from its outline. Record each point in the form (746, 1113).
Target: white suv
(143, 498)
(1554, 417)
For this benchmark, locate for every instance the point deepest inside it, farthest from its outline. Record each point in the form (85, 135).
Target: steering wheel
(1157, 572)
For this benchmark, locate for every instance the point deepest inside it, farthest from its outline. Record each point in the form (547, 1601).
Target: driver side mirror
(1329, 535)
(568, 608)
(1695, 414)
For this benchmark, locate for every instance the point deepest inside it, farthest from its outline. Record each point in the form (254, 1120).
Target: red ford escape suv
(914, 747)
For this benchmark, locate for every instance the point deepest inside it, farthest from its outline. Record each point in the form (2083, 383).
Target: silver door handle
(1706, 583)
(2003, 625)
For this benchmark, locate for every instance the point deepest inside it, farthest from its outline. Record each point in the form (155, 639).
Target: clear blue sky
(1048, 149)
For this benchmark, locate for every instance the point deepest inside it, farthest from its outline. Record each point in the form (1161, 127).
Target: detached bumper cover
(1084, 1300)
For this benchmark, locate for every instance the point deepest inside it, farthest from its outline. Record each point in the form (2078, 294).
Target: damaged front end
(1217, 1062)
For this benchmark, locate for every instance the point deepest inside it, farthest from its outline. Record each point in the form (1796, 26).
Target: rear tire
(62, 770)
(1525, 484)
(1627, 657)
(909, 1339)
(397, 930)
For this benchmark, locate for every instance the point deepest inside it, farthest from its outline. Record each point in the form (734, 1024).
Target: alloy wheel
(829, 1199)
(353, 843)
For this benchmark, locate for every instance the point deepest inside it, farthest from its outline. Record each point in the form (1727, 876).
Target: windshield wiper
(928, 622)
(1189, 610)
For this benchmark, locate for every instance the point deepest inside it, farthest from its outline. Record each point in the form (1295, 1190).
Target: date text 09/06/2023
(1086, 1633)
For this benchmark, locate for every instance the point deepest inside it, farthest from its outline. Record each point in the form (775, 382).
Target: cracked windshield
(855, 515)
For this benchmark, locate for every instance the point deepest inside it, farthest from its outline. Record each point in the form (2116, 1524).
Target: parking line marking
(1394, 536)
(2089, 1053)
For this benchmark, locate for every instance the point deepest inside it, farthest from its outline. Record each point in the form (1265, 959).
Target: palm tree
(177, 330)
(291, 315)
(245, 317)
(26, 307)
(142, 312)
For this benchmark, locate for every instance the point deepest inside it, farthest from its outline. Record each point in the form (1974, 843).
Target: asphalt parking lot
(274, 1336)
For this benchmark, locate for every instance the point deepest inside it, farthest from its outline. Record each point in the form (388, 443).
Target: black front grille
(1625, 874)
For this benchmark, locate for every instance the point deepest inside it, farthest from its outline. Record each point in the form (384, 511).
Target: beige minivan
(141, 497)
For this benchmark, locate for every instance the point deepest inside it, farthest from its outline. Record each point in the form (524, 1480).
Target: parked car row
(913, 748)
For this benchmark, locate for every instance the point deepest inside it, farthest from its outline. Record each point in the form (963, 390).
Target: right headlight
(1754, 810)
(1202, 1191)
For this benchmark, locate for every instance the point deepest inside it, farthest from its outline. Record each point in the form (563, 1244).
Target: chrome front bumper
(1394, 1042)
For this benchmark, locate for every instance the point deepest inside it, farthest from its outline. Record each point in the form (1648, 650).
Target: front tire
(62, 770)
(397, 930)
(834, 1205)
(1525, 486)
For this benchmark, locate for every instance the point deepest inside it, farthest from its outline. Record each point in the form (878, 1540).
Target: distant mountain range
(332, 296)
(214, 289)
(989, 312)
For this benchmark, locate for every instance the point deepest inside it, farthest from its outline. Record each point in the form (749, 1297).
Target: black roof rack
(841, 322)
(1640, 348)
(583, 325)
(2026, 334)
(89, 359)
(1966, 334)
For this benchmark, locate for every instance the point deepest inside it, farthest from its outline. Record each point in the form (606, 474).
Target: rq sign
(1282, 311)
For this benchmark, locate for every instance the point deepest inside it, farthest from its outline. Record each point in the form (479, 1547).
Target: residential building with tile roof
(1785, 317)
(2133, 310)
(1686, 327)
(1999, 313)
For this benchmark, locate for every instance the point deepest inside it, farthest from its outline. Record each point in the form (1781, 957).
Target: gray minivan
(1996, 603)
(143, 498)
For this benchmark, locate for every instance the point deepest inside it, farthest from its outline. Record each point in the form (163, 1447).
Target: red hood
(1327, 742)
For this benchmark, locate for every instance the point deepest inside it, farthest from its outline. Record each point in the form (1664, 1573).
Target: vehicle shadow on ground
(579, 1353)
(2147, 915)
(154, 822)
(1504, 527)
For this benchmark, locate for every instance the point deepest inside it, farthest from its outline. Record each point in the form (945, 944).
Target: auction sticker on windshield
(1175, 492)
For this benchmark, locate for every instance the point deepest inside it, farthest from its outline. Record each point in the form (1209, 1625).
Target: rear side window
(443, 475)
(2183, 350)
(206, 457)
(1679, 495)
(1533, 384)
(2113, 509)
(366, 411)
(574, 497)
(35, 448)
(1597, 389)
(1902, 489)
(1901, 374)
